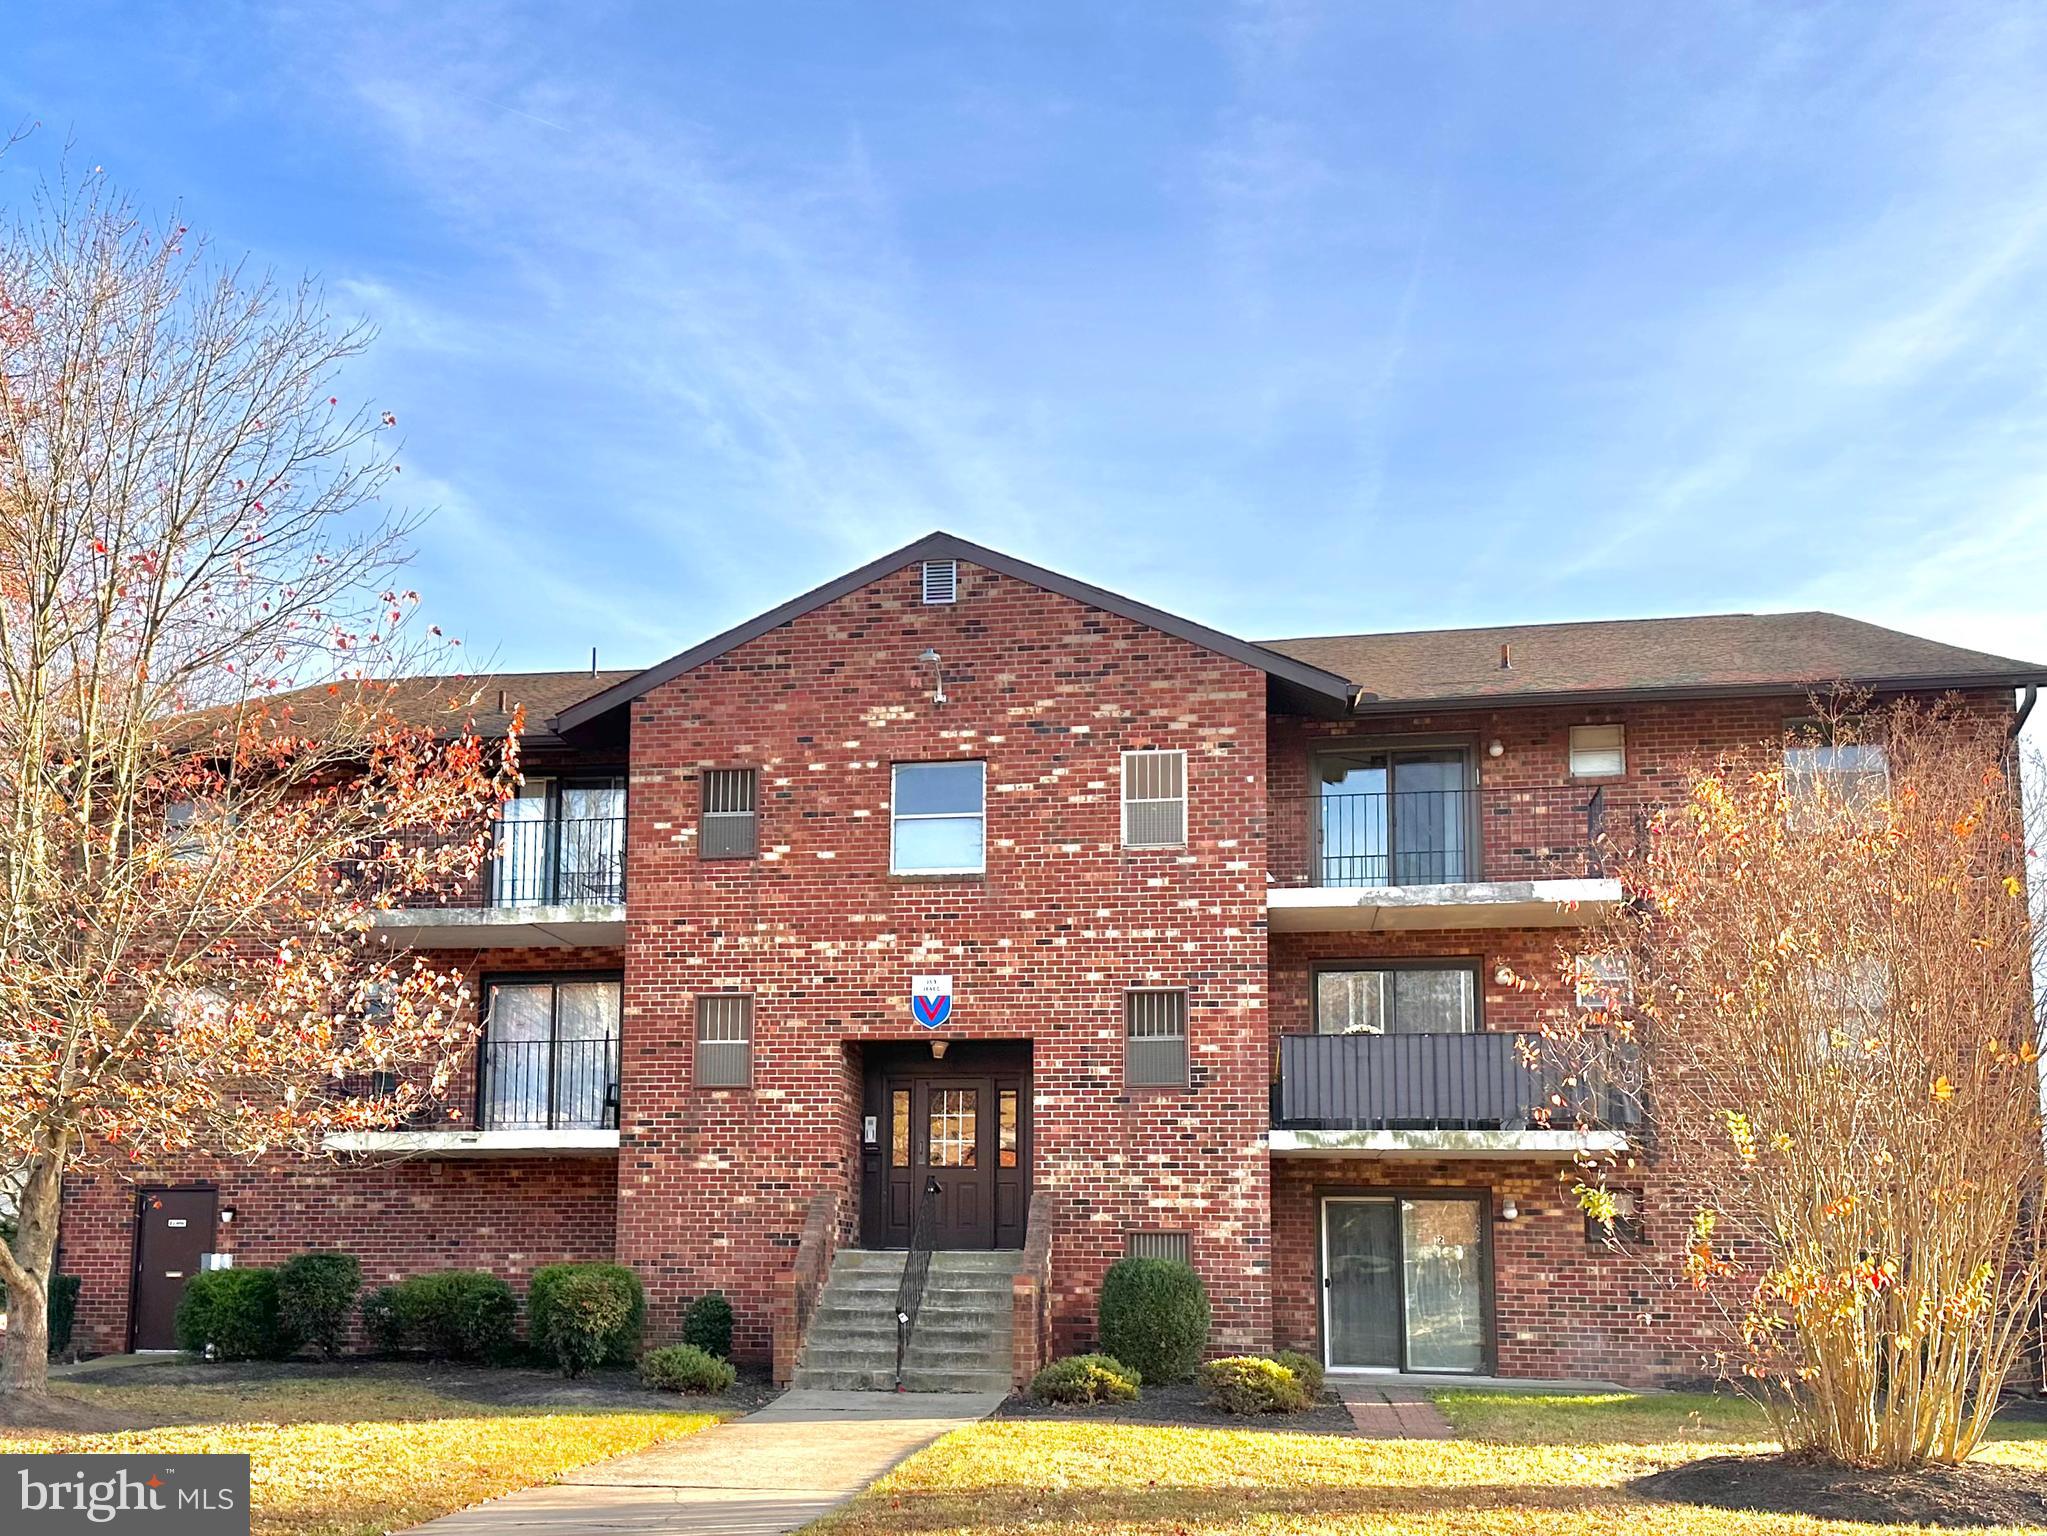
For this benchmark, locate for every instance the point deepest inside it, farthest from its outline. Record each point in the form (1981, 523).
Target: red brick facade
(710, 1187)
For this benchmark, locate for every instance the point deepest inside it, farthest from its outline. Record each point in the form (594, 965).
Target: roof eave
(1950, 683)
(1318, 691)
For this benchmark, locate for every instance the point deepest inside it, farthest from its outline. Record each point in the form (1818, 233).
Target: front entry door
(968, 1133)
(1403, 1284)
(174, 1227)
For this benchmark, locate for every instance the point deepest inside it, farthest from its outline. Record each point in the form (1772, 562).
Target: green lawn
(1553, 1464)
(358, 1458)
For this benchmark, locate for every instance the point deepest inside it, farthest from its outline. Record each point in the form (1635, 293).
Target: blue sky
(1293, 318)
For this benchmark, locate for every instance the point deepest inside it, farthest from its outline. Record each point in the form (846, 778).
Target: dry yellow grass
(1096, 1479)
(331, 1458)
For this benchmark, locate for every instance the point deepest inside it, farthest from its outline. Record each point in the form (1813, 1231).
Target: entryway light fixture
(937, 676)
(1508, 1209)
(1498, 748)
(938, 1049)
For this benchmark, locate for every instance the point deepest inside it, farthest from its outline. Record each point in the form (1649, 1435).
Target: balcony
(1488, 1094)
(534, 1096)
(552, 882)
(1347, 861)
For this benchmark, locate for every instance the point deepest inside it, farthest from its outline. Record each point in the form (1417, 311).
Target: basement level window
(941, 581)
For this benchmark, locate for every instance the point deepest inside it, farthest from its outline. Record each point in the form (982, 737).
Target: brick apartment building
(1222, 950)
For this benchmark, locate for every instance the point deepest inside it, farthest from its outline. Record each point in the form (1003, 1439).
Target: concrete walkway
(1392, 1411)
(801, 1456)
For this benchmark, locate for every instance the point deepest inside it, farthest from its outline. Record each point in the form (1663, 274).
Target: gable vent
(941, 581)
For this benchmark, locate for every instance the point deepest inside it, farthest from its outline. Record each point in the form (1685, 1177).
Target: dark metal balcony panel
(1487, 1081)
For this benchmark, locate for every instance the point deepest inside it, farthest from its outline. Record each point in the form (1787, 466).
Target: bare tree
(1832, 956)
(203, 797)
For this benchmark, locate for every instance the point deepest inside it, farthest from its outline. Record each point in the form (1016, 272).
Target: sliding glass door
(1403, 1283)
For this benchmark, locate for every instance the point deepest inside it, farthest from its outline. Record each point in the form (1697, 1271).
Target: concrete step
(930, 1324)
(962, 1338)
(913, 1381)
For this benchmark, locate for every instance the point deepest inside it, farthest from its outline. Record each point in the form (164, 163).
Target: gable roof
(446, 702)
(1728, 653)
(1302, 686)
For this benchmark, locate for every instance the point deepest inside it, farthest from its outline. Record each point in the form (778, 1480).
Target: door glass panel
(954, 1126)
(517, 1056)
(518, 873)
(1444, 1279)
(1396, 1000)
(1428, 818)
(1362, 1263)
(592, 837)
(899, 1128)
(1351, 818)
(1005, 1128)
(585, 1053)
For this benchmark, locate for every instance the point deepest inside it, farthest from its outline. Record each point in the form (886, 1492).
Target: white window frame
(895, 818)
(1181, 799)
(1619, 748)
(1599, 979)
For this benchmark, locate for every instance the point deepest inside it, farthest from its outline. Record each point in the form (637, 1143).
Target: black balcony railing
(1435, 836)
(560, 861)
(1485, 1081)
(548, 1085)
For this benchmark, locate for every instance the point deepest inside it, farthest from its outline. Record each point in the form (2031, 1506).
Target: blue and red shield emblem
(931, 1000)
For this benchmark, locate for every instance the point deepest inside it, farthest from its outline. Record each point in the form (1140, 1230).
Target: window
(1429, 999)
(181, 832)
(941, 581)
(1598, 751)
(1602, 983)
(1857, 772)
(1394, 818)
(1154, 799)
(1627, 1227)
(1161, 1245)
(560, 841)
(725, 1041)
(938, 822)
(550, 1054)
(730, 828)
(1155, 1038)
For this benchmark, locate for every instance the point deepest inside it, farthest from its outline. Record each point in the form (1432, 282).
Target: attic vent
(941, 581)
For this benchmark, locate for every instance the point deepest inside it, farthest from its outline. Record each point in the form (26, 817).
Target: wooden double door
(961, 1123)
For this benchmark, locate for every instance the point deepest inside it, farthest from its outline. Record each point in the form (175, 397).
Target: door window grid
(899, 1128)
(954, 1128)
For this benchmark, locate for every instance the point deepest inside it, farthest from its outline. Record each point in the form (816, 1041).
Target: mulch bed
(1183, 1404)
(1974, 1495)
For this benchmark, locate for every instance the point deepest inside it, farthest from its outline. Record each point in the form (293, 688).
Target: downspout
(2026, 708)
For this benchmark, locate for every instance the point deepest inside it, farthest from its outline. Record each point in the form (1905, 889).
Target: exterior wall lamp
(937, 676)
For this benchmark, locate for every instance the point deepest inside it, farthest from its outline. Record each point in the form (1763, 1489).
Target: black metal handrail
(557, 861)
(916, 1270)
(1436, 836)
(553, 1085)
(1490, 1080)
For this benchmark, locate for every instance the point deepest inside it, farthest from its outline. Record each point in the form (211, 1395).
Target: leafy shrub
(617, 1341)
(588, 1314)
(1154, 1317)
(315, 1293)
(380, 1319)
(1250, 1384)
(452, 1314)
(707, 1323)
(63, 1307)
(1306, 1367)
(686, 1368)
(234, 1310)
(1086, 1379)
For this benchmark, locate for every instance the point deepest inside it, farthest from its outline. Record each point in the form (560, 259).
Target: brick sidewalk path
(1393, 1412)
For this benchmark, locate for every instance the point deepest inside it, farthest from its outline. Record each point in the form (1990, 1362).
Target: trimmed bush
(588, 1316)
(452, 1314)
(1086, 1379)
(1250, 1384)
(315, 1294)
(380, 1319)
(686, 1368)
(1306, 1367)
(234, 1311)
(617, 1339)
(708, 1325)
(1154, 1317)
(63, 1307)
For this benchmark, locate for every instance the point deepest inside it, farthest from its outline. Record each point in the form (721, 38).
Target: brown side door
(173, 1228)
